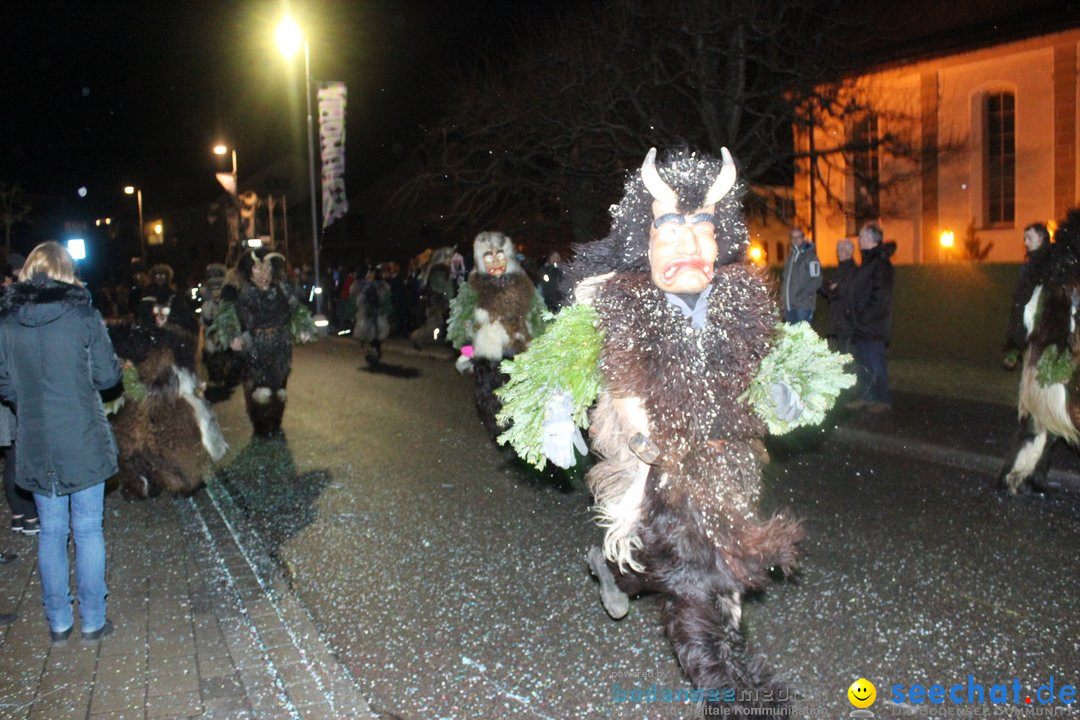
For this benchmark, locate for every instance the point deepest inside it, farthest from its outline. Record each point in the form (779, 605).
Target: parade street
(450, 581)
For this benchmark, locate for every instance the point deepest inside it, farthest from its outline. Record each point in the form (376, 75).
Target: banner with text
(332, 150)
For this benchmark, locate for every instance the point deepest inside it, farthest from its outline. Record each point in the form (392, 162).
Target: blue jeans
(798, 315)
(871, 371)
(86, 510)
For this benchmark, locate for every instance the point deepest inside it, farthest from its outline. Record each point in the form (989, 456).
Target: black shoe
(60, 638)
(7, 618)
(5, 558)
(30, 526)
(95, 635)
(16, 524)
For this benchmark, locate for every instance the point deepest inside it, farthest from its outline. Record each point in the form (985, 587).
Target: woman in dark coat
(55, 357)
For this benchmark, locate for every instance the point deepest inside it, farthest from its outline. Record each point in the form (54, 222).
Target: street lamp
(289, 40)
(137, 192)
(221, 150)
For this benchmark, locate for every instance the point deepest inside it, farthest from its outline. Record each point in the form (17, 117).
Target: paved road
(450, 582)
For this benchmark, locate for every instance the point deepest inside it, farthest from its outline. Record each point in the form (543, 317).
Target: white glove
(561, 433)
(787, 402)
(463, 364)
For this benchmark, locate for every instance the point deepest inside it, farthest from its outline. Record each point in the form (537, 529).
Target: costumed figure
(675, 338)
(437, 289)
(161, 297)
(371, 297)
(494, 316)
(1037, 263)
(217, 358)
(167, 436)
(1049, 399)
(259, 321)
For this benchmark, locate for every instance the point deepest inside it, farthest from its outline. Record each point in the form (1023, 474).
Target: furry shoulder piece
(508, 314)
(42, 291)
(689, 381)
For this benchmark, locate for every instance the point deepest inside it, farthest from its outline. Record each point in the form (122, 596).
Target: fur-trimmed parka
(55, 358)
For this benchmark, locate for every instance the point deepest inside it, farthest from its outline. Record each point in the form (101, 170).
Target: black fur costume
(168, 438)
(1049, 399)
(685, 524)
(266, 320)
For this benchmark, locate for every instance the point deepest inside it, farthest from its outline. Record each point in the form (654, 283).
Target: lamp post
(289, 39)
(221, 150)
(232, 222)
(137, 192)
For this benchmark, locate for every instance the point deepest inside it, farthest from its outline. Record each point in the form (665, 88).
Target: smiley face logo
(862, 693)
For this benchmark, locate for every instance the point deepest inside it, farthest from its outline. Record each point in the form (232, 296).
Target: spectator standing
(834, 290)
(869, 308)
(1032, 274)
(55, 357)
(802, 279)
(24, 517)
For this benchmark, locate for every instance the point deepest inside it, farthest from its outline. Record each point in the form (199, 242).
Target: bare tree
(539, 142)
(13, 208)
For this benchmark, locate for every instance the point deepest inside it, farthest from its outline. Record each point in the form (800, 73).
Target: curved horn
(656, 186)
(724, 181)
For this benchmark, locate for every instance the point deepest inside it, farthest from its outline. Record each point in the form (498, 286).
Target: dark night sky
(104, 94)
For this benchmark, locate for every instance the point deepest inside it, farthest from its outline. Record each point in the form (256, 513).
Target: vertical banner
(331, 97)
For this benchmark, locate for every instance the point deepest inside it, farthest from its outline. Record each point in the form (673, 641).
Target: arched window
(1000, 158)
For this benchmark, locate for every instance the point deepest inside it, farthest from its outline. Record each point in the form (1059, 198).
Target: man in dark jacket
(55, 357)
(869, 308)
(802, 279)
(1032, 274)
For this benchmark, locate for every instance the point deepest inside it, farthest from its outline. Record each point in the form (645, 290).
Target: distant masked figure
(259, 320)
(371, 296)
(494, 316)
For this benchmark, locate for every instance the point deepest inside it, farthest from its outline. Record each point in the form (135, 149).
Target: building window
(865, 166)
(1000, 158)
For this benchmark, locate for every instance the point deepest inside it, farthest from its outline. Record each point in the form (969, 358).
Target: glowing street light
(222, 150)
(137, 192)
(947, 239)
(289, 40)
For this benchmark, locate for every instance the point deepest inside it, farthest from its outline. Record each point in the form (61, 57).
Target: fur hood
(42, 300)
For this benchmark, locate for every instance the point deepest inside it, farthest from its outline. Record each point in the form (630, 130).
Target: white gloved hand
(787, 402)
(463, 364)
(561, 433)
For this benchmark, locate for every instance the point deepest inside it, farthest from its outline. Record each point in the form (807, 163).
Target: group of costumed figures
(167, 435)
(670, 352)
